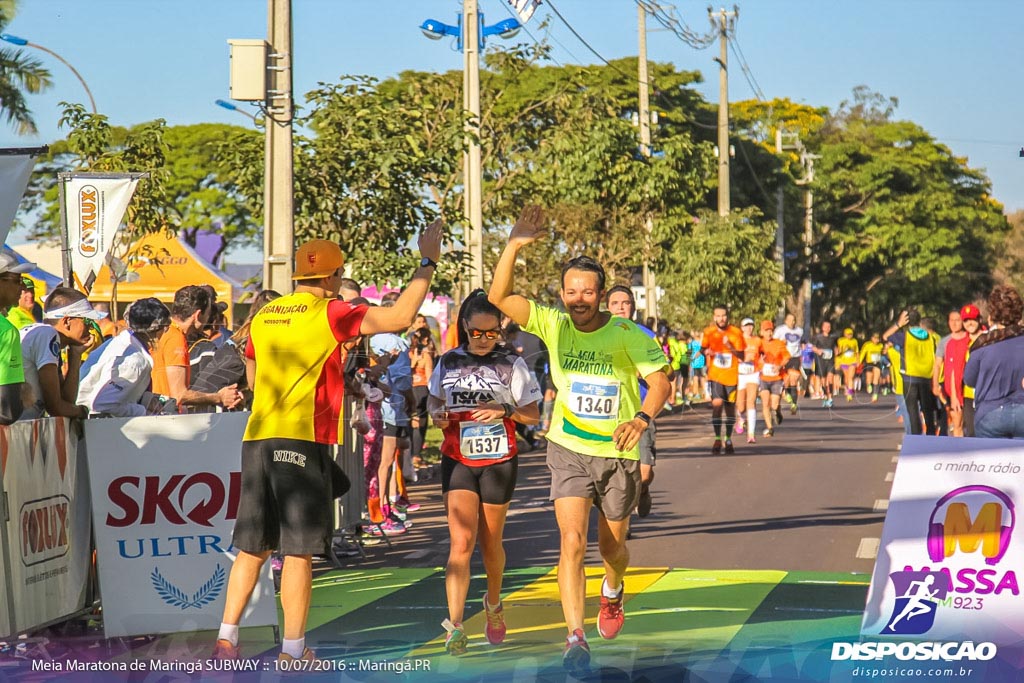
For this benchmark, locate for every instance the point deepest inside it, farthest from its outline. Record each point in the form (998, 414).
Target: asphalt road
(810, 498)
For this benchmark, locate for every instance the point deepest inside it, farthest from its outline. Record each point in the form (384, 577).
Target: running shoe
(716, 447)
(388, 527)
(739, 427)
(778, 415)
(404, 503)
(885, 391)
(223, 650)
(828, 403)
(456, 642)
(871, 389)
(874, 398)
(750, 438)
(576, 657)
(729, 450)
(643, 506)
(792, 409)
(849, 396)
(495, 629)
(288, 664)
(769, 432)
(611, 617)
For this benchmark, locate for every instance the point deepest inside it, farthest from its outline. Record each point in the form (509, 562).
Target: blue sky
(954, 65)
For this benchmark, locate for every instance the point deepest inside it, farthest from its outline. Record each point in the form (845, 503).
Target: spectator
(350, 289)
(227, 364)
(422, 355)
(12, 373)
(995, 369)
(191, 310)
(65, 326)
(917, 359)
(971, 317)
(948, 376)
(116, 385)
(22, 314)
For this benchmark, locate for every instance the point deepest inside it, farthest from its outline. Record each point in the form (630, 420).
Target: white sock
(295, 648)
(607, 592)
(490, 607)
(229, 632)
(751, 420)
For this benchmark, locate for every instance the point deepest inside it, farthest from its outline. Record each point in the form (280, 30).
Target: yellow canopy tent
(164, 265)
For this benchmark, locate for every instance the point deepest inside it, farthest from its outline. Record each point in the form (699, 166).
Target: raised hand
(530, 225)
(430, 240)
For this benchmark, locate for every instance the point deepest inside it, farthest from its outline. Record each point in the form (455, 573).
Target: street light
(15, 40)
(231, 107)
(470, 32)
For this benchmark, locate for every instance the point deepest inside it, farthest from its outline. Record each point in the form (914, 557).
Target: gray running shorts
(612, 483)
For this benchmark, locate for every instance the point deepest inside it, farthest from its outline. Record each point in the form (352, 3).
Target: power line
(737, 51)
(586, 44)
(666, 16)
(533, 37)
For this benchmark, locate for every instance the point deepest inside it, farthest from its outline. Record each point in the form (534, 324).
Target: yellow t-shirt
(849, 351)
(299, 384)
(596, 377)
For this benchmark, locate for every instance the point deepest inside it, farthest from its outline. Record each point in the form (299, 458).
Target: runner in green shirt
(12, 370)
(597, 422)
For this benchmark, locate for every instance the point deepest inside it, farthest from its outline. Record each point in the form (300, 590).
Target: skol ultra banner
(165, 497)
(94, 206)
(15, 169)
(48, 527)
(951, 557)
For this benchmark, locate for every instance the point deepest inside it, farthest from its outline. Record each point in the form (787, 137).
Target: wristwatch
(643, 416)
(427, 262)
(509, 409)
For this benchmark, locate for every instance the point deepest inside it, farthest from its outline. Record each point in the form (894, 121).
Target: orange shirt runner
(723, 364)
(774, 357)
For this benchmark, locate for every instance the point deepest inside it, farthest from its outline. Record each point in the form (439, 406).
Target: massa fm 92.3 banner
(951, 556)
(165, 494)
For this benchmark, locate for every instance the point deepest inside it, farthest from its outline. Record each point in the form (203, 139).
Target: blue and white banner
(165, 496)
(950, 551)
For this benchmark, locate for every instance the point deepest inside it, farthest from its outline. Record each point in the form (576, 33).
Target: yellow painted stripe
(533, 614)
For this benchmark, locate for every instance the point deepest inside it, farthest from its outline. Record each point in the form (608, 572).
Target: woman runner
(478, 391)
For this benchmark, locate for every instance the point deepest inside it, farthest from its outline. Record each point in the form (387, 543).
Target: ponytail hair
(476, 302)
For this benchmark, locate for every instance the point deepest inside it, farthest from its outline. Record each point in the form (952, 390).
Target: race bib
(873, 357)
(594, 399)
(483, 441)
(826, 355)
(849, 353)
(770, 370)
(747, 368)
(723, 360)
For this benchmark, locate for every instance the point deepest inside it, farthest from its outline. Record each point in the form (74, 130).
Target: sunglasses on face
(486, 334)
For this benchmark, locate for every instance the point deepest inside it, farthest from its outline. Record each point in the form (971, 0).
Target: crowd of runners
(587, 378)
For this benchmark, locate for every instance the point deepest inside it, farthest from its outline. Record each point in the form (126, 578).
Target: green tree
(900, 219)
(20, 73)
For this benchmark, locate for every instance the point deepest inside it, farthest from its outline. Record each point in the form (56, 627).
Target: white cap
(79, 309)
(10, 264)
(747, 321)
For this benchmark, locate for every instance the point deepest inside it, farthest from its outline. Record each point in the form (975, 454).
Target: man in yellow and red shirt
(294, 365)
(723, 345)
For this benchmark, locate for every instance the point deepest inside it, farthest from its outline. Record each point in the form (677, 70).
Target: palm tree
(19, 74)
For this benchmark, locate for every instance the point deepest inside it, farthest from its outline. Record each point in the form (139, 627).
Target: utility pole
(472, 166)
(278, 221)
(780, 215)
(644, 119)
(724, 22)
(805, 288)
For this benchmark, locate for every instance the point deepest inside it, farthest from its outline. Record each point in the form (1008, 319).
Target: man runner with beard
(723, 346)
(596, 425)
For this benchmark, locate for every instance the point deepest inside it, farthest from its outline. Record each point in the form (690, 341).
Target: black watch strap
(427, 262)
(509, 409)
(643, 416)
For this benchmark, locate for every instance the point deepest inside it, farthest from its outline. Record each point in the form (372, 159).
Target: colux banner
(48, 527)
(94, 206)
(15, 170)
(165, 498)
(950, 554)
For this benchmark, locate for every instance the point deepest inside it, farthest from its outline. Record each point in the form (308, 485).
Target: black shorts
(872, 366)
(726, 393)
(793, 364)
(494, 484)
(683, 373)
(286, 498)
(824, 368)
(396, 431)
(702, 371)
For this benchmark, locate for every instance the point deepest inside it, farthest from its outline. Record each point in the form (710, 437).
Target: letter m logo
(985, 530)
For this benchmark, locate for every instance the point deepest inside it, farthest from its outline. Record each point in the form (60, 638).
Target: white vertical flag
(94, 205)
(15, 169)
(524, 8)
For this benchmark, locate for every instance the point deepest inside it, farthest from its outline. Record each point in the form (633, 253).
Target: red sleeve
(345, 319)
(250, 349)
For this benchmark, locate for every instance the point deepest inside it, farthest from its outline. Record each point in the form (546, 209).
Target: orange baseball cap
(767, 325)
(316, 259)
